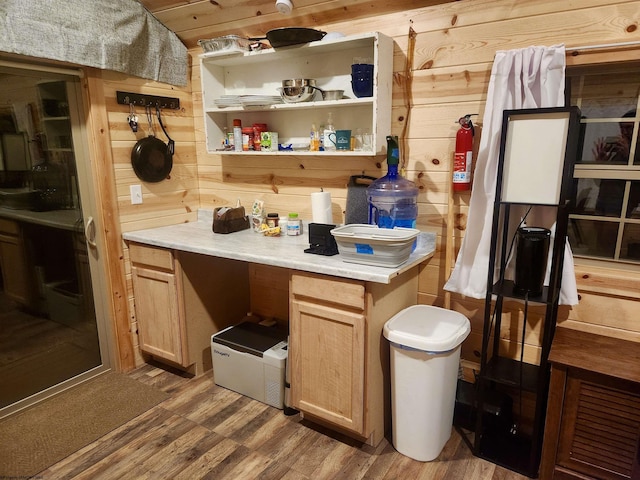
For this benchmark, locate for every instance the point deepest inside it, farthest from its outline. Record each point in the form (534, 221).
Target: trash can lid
(427, 328)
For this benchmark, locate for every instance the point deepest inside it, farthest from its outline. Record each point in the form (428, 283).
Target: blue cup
(362, 79)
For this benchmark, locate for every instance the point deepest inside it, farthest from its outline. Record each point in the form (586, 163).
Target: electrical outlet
(136, 194)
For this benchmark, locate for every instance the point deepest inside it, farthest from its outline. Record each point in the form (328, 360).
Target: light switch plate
(136, 194)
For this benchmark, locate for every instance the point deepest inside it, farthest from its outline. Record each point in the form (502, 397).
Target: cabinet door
(600, 427)
(161, 327)
(328, 354)
(15, 274)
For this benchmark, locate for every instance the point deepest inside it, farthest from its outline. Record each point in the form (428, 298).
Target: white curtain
(531, 77)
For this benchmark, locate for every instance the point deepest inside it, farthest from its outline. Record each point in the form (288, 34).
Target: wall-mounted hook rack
(142, 100)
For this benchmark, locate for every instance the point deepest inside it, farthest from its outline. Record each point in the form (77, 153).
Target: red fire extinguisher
(463, 159)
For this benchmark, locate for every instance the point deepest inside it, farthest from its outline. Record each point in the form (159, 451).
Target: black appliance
(321, 242)
(532, 248)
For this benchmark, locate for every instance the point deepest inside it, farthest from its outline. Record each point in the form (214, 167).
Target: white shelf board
(294, 106)
(232, 58)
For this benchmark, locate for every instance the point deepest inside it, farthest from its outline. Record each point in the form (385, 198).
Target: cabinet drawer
(8, 226)
(349, 293)
(151, 256)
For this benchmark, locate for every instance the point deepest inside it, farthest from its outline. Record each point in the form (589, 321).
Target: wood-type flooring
(205, 431)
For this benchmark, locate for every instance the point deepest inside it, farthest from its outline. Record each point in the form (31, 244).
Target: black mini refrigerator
(532, 248)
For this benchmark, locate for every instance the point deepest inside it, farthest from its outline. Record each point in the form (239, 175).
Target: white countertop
(284, 251)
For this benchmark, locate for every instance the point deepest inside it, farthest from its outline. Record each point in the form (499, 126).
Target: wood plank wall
(454, 50)
(169, 202)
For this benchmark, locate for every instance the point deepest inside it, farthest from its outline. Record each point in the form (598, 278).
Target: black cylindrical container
(531, 259)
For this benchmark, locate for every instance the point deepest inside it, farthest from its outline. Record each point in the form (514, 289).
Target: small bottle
(294, 225)
(282, 223)
(237, 135)
(314, 139)
(225, 140)
(247, 139)
(329, 145)
(321, 139)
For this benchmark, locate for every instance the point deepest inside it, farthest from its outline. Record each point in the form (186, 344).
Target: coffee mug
(362, 79)
(341, 139)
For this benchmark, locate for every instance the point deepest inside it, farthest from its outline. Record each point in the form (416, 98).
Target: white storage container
(251, 359)
(425, 353)
(64, 304)
(372, 245)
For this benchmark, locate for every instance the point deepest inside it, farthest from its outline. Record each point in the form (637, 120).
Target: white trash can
(425, 354)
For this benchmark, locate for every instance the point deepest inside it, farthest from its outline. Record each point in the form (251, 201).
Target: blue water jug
(393, 200)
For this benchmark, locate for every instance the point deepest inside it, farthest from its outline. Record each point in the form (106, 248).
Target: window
(605, 223)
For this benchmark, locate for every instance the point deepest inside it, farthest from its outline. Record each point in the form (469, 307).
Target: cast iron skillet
(286, 36)
(151, 158)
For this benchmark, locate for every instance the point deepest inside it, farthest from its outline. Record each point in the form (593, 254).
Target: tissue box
(229, 220)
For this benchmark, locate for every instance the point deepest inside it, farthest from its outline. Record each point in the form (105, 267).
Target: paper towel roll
(321, 207)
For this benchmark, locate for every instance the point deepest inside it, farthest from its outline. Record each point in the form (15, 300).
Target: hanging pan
(286, 36)
(151, 158)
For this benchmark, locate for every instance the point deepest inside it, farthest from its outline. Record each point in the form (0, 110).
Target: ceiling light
(284, 6)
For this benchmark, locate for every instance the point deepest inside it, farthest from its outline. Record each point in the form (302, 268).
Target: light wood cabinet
(17, 273)
(592, 428)
(159, 307)
(339, 359)
(328, 364)
(181, 299)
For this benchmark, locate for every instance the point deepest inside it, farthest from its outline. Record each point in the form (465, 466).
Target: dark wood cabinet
(593, 412)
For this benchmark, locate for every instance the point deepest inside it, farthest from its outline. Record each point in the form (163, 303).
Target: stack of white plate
(259, 100)
(246, 100)
(228, 101)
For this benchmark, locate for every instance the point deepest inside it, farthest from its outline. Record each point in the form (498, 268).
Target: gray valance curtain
(118, 35)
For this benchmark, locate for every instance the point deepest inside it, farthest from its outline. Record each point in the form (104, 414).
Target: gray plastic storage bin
(425, 354)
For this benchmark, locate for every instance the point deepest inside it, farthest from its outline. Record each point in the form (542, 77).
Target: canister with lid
(247, 138)
(272, 220)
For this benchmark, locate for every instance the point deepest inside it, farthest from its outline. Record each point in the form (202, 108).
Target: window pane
(599, 196)
(608, 95)
(633, 207)
(631, 242)
(610, 195)
(607, 175)
(593, 238)
(606, 143)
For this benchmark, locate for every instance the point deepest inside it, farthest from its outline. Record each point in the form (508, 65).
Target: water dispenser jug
(392, 198)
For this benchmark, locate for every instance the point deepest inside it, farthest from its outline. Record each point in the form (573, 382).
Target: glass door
(49, 330)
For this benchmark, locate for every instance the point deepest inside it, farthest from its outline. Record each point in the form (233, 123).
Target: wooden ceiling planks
(196, 19)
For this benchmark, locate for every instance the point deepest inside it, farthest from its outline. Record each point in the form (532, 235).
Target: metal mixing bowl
(332, 94)
(297, 94)
(299, 82)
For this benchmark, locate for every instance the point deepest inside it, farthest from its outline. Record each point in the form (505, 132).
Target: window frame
(627, 172)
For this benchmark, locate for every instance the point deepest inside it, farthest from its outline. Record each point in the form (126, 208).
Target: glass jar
(272, 220)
